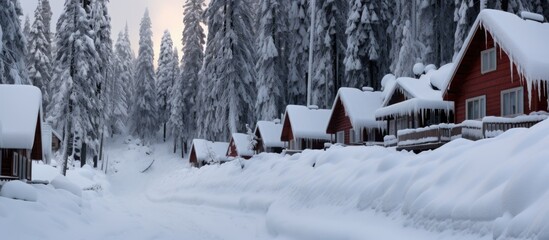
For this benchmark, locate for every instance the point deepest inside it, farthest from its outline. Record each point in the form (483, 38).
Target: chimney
(313, 107)
(367, 89)
(532, 16)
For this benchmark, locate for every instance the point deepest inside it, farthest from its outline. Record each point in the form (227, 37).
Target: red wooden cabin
(305, 128)
(20, 131)
(240, 146)
(502, 69)
(352, 118)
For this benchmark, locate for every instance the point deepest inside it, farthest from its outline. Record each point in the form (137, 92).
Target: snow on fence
(474, 130)
(435, 134)
(471, 129)
(494, 126)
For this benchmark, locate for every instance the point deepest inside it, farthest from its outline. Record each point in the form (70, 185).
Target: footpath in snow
(489, 189)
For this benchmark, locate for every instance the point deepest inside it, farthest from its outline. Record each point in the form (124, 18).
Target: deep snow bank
(495, 187)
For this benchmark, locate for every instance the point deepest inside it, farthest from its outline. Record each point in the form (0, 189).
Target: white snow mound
(19, 190)
(61, 182)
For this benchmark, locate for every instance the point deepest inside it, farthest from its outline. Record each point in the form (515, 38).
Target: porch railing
(441, 133)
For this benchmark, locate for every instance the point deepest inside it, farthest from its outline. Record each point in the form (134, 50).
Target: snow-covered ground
(489, 189)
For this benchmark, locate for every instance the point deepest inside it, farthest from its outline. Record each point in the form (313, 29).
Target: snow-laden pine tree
(144, 112)
(465, 14)
(298, 51)
(406, 49)
(27, 26)
(164, 80)
(76, 93)
(13, 52)
(271, 65)
(364, 28)
(228, 76)
(329, 51)
(39, 60)
(121, 87)
(183, 118)
(47, 15)
(433, 28)
(123, 50)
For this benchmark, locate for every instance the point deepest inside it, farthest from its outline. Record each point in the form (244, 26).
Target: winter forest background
(241, 61)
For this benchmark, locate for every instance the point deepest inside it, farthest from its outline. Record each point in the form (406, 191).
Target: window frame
(15, 168)
(473, 99)
(519, 100)
(488, 53)
(340, 137)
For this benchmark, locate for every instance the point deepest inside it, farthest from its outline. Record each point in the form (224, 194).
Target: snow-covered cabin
(305, 128)
(240, 146)
(502, 69)
(20, 130)
(205, 152)
(268, 134)
(352, 118)
(416, 103)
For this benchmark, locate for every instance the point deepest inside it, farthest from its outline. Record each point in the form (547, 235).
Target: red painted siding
(231, 152)
(469, 82)
(193, 159)
(339, 121)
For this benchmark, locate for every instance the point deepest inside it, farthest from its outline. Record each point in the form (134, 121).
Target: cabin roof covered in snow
(414, 105)
(308, 123)
(242, 144)
(524, 41)
(270, 133)
(203, 149)
(19, 113)
(360, 106)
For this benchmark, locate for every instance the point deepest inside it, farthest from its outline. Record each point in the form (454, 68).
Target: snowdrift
(489, 188)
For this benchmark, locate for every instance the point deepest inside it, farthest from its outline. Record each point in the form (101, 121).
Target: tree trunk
(66, 140)
(164, 132)
(101, 147)
(83, 153)
(175, 145)
(183, 148)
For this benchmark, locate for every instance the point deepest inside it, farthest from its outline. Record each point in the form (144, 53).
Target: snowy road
(155, 205)
(127, 211)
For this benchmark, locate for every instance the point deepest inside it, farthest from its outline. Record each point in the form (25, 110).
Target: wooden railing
(494, 128)
(434, 134)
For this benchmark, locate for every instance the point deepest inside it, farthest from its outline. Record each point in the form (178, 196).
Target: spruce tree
(164, 77)
(144, 112)
(271, 65)
(183, 118)
(73, 105)
(299, 25)
(39, 58)
(228, 76)
(329, 51)
(13, 52)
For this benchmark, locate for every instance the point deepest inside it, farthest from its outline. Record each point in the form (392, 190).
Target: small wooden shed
(305, 128)
(267, 134)
(240, 146)
(353, 120)
(20, 131)
(204, 152)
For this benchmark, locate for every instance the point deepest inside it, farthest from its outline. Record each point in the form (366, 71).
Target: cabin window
(489, 61)
(512, 102)
(15, 163)
(340, 137)
(476, 108)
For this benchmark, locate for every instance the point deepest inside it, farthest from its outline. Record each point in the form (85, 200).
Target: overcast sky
(165, 14)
